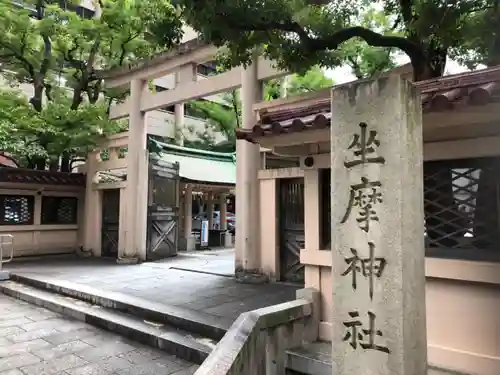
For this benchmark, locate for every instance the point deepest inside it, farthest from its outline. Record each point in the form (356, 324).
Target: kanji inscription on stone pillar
(378, 276)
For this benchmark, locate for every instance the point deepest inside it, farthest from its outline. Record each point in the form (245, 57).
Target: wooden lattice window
(59, 210)
(16, 209)
(462, 208)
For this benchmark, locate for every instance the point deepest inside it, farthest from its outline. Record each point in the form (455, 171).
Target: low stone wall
(42, 219)
(257, 340)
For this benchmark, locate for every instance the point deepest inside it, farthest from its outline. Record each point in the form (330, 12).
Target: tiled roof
(30, 176)
(7, 161)
(441, 94)
(195, 166)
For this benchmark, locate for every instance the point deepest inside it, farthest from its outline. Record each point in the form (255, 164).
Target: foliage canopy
(299, 34)
(53, 54)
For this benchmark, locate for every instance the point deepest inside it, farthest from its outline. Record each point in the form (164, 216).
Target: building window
(17, 209)
(207, 69)
(462, 208)
(84, 12)
(325, 203)
(59, 210)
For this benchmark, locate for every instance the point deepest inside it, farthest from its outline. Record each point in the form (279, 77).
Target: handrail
(256, 341)
(6, 239)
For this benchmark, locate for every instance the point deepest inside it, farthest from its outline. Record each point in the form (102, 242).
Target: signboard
(204, 233)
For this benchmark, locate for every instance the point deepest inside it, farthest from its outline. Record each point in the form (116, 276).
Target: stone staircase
(315, 359)
(184, 333)
(311, 359)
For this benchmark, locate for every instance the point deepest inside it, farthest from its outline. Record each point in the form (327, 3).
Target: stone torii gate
(182, 61)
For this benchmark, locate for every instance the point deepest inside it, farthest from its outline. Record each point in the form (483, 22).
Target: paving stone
(15, 321)
(61, 350)
(10, 349)
(102, 338)
(102, 352)
(61, 338)
(137, 358)
(104, 367)
(31, 335)
(151, 369)
(61, 353)
(12, 372)
(9, 331)
(15, 361)
(39, 316)
(188, 371)
(11, 315)
(54, 366)
(59, 324)
(150, 352)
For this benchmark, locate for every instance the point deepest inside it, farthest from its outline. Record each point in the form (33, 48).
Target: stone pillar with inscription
(378, 270)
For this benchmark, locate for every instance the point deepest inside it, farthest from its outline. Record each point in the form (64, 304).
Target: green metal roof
(200, 165)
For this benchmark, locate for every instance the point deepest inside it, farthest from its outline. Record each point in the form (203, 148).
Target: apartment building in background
(161, 123)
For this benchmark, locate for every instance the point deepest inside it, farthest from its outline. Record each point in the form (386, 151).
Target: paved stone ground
(36, 341)
(161, 282)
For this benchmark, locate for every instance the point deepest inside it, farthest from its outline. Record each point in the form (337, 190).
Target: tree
(222, 118)
(364, 60)
(296, 84)
(482, 47)
(57, 52)
(227, 118)
(298, 34)
(22, 128)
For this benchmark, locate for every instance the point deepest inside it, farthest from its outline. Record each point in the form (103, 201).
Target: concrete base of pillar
(191, 243)
(187, 243)
(181, 244)
(127, 260)
(228, 239)
(4, 275)
(250, 276)
(82, 253)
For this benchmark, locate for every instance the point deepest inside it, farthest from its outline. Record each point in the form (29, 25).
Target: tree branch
(23, 60)
(406, 11)
(332, 42)
(234, 102)
(355, 67)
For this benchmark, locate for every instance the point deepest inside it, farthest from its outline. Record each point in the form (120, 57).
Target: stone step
(311, 359)
(315, 359)
(198, 323)
(188, 346)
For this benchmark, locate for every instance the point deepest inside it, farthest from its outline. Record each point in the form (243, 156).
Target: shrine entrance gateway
(292, 234)
(163, 209)
(110, 222)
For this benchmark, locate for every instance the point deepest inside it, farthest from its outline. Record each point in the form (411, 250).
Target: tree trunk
(36, 100)
(65, 162)
(54, 165)
(40, 163)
